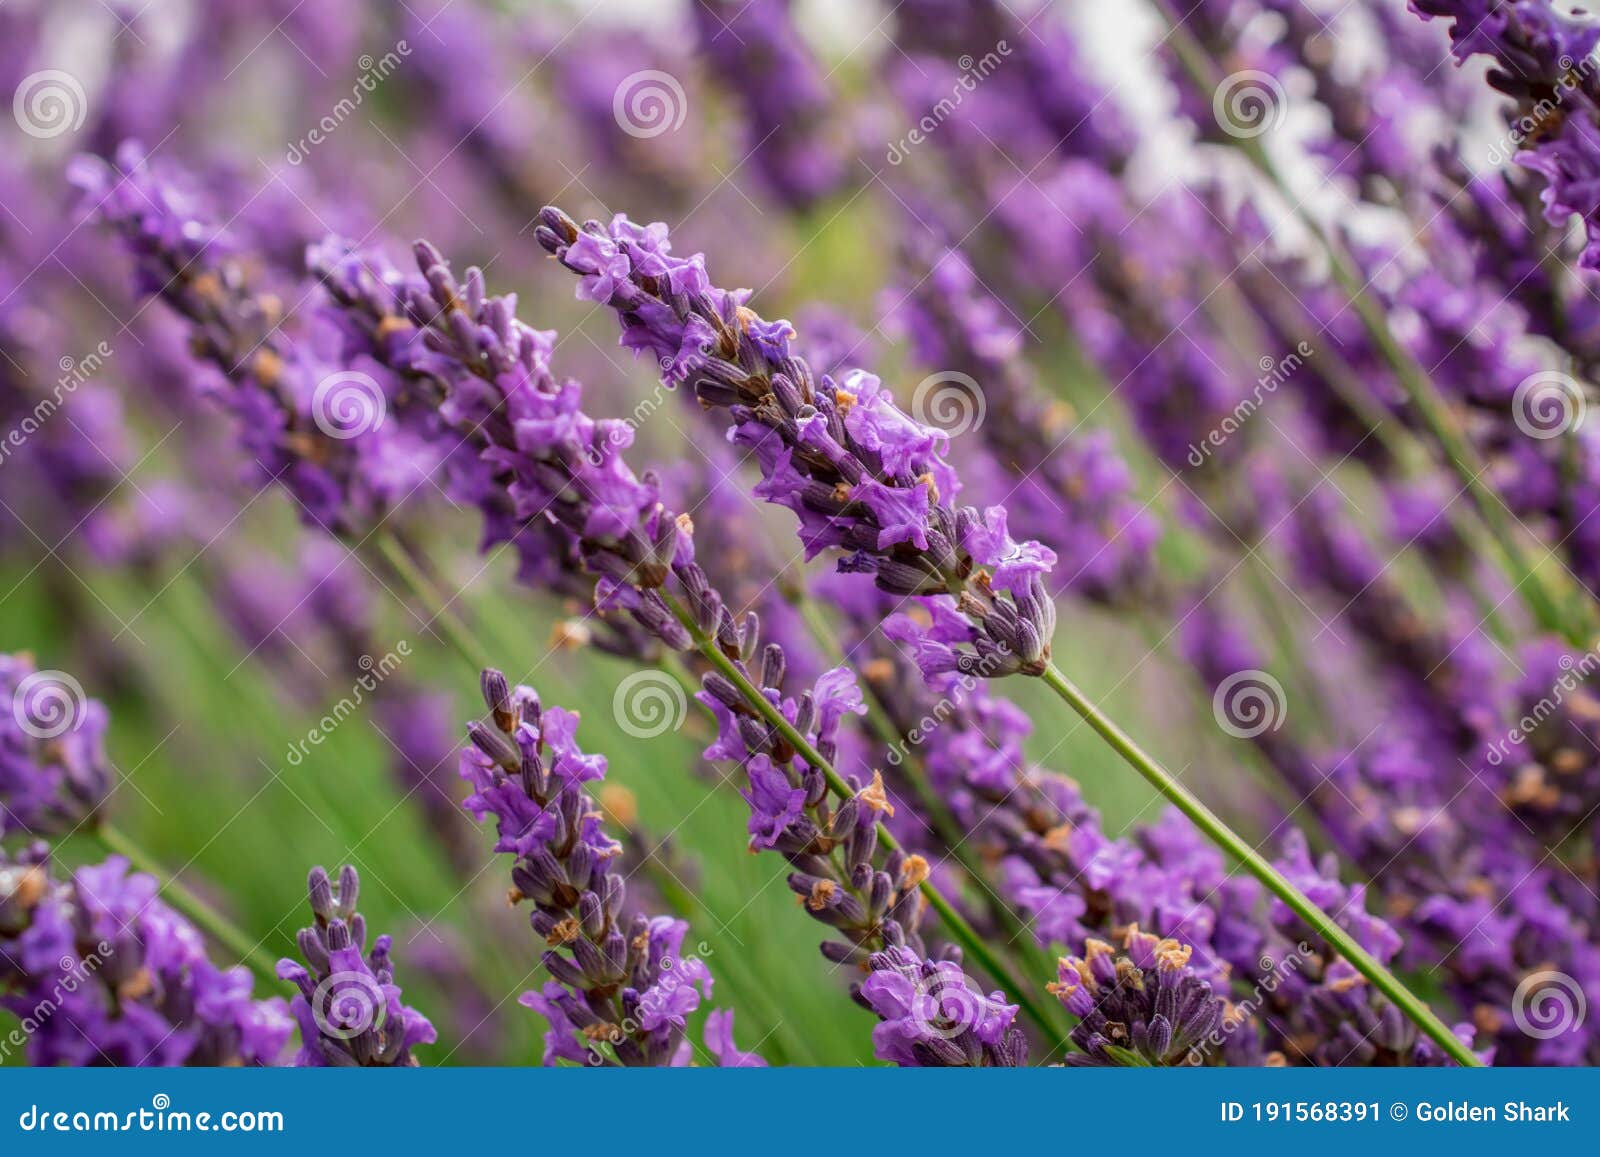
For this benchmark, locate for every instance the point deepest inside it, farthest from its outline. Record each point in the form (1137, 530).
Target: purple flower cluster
(621, 991)
(54, 773)
(101, 972)
(858, 472)
(348, 1008)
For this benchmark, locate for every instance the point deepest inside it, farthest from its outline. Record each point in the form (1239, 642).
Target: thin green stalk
(1224, 837)
(422, 589)
(941, 818)
(962, 932)
(214, 923)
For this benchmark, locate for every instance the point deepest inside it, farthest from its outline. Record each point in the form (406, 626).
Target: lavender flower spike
(53, 769)
(101, 972)
(1146, 1006)
(619, 994)
(859, 473)
(349, 1008)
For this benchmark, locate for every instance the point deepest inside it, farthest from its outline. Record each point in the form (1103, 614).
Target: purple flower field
(799, 533)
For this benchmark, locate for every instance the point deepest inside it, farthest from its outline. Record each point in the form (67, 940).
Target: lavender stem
(1224, 837)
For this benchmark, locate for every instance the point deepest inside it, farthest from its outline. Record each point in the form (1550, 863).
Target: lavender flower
(858, 472)
(933, 1016)
(754, 48)
(54, 774)
(100, 971)
(626, 990)
(1144, 1006)
(348, 1008)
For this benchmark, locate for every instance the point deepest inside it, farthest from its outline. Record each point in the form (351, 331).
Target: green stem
(218, 926)
(962, 932)
(1224, 837)
(422, 589)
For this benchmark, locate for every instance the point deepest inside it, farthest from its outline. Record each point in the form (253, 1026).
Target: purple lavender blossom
(54, 774)
(618, 994)
(858, 472)
(348, 1008)
(100, 971)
